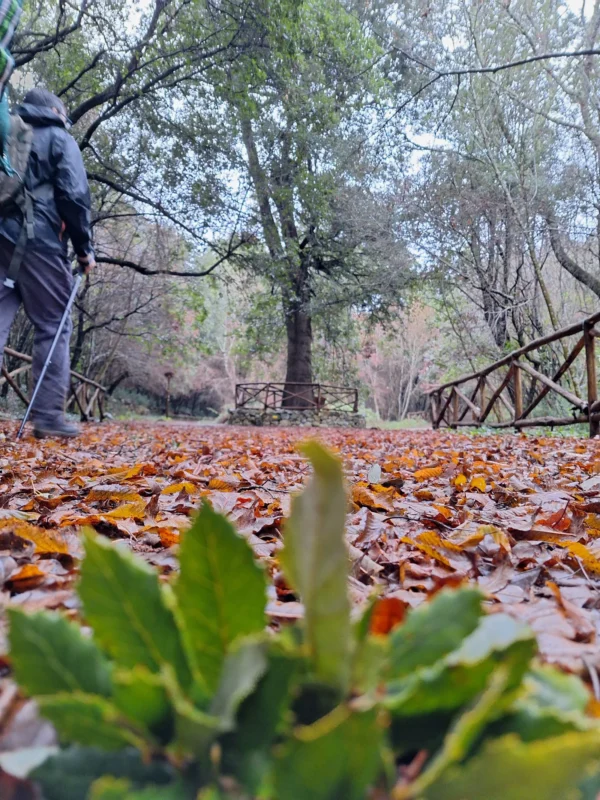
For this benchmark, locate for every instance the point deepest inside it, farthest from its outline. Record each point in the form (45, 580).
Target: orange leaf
(592, 524)
(128, 511)
(499, 536)
(478, 483)
(430, 543)
(113, 492)
(428, 473)
(460, 480)
(45, 541)
(28, 577)
(363, 497)
(186, 486)
(580, 553)
(560, 520)
(387, 614)
(223, 484)
(168, 537)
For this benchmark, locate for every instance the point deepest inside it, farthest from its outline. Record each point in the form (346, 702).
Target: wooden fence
(513, 387)
(86, 396)
(271, 396)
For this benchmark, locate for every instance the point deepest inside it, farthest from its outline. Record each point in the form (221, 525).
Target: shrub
(182, 693)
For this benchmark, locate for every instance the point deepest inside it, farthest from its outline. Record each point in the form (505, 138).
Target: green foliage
(220, 594)
(314, 560)
(182, 694)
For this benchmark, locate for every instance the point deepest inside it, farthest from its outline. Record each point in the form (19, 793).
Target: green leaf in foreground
(142, 697)
(461, 738)
(109, 788)
(552, 703)
(315, 561)
(123, 602)
(242, 670)
(459, 677)
(69, 774)
(195, 730)
(337, 758)
(221, 594)
(89, 720)
(509, 769)
(50, 655)
(434, 629)
(247, 750)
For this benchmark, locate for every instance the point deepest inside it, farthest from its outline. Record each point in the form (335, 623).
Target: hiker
(58, 186)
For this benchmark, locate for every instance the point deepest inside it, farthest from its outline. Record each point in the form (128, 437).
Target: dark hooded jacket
(56, 177)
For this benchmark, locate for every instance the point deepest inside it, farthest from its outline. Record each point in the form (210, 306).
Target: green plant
(181, 693)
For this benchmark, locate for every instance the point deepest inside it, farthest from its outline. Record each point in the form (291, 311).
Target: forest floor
(519, 516)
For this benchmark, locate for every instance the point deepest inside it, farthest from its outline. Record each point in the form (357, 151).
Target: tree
(299, 105)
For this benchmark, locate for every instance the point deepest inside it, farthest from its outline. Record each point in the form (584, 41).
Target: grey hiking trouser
(43, 286)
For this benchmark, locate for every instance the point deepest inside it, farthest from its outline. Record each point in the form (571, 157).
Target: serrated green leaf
(369, 662)
(220, 592)
(174, 792)
(69, 774)
(109, 788)
(71, 661)
(434, 629)
(463, 674)
(315, 562)
(462, 735)
(550, 688)
(337, 758)
(246, 751)
(91, 720)
(242, 670)
(509, 769)
(552, 703)
(123, 602)
(195, 730)
(142, 697)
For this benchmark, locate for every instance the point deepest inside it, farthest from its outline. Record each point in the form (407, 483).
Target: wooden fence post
(482, 397)
(592, 380)
(433, 409)
(518, 387)
(454, 408)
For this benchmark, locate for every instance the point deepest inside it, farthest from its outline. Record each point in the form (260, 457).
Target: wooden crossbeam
(443, 408)
(555, 387)
(556, 377)
(470, 405)
(8, 377)
(465, 410)
(496, 395)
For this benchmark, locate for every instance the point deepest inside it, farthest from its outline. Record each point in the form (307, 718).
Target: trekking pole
(48, 360)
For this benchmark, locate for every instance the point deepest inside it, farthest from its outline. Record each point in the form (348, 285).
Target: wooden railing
(87, 397)
(513, 387)
(271, 396)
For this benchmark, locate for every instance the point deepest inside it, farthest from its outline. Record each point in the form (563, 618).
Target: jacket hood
(38, 115)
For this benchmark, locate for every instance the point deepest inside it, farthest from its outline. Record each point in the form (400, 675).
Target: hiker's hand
(86, 263)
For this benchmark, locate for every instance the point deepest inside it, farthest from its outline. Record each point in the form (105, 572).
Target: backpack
(13, 163)
(13, 191)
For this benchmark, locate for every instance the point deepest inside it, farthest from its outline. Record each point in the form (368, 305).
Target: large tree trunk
(299, 354)
(283, 247)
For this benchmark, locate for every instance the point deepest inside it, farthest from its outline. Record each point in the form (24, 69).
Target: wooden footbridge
(506, 393)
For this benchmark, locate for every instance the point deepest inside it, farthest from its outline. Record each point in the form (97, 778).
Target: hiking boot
(61, 429)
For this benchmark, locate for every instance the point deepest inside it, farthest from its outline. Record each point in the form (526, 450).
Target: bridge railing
(506, 393)
(272, 396)
(86, 397)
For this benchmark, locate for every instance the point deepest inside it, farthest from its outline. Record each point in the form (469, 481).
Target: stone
(296, 417)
